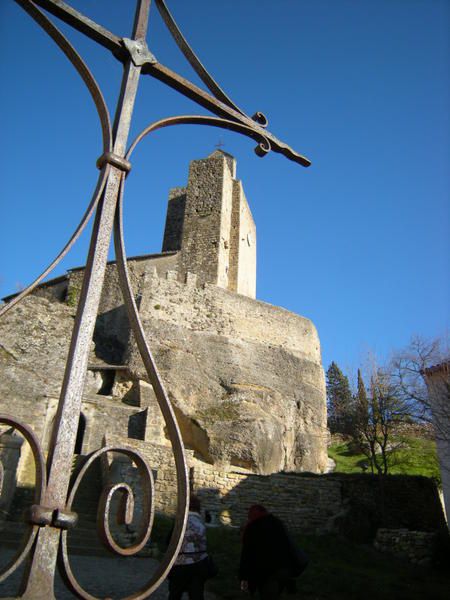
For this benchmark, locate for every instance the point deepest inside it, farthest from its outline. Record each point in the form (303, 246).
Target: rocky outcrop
(244, 377)
(34, 339)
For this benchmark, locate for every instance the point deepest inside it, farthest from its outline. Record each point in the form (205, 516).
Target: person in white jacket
(190, 570)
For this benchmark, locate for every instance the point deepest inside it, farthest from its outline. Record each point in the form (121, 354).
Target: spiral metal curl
(39, 491)
(261, 119)
(125, 513)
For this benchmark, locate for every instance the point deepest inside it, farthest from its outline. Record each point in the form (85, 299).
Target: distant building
(438, 382)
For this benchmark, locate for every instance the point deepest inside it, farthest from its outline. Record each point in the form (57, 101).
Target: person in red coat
(267, 556)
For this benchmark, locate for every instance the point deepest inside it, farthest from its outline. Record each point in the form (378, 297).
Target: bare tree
(376, 417)
(408, 369)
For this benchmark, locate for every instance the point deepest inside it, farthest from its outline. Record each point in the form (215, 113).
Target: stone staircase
(83, 539)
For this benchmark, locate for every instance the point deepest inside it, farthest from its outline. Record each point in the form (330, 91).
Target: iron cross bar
(137, 59)
(41, 575)
(123, 49)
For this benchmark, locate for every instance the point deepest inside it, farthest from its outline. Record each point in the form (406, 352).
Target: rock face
(245, 377)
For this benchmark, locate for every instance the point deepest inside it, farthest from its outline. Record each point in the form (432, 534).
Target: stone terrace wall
(409, 502)
(416, 546)
(306, 504)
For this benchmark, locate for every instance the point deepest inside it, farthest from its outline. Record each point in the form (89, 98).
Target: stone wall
(208, 205)
(312, 504)
(173, 230)
(397, 501)
(320, 504)
(207, 308)
(416, 546)
(307, 504)
(9, 459)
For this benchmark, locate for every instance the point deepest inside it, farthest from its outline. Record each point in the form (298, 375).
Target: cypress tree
(362, 403)
(339, 401)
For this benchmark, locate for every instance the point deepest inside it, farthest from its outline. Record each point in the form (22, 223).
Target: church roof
(219, 152)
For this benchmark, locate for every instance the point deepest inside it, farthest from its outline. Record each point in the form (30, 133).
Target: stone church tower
(210, 223)
(244, 377)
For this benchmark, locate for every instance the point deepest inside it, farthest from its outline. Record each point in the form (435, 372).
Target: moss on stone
(227, 410)
(72, 296)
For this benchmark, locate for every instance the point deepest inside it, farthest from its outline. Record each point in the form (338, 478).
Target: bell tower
(210, 224)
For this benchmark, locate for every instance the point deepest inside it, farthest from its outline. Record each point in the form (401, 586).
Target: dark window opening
(108, 378)
(137, 424)
(80, 434)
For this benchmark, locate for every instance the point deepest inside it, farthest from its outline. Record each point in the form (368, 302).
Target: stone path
(102, 576)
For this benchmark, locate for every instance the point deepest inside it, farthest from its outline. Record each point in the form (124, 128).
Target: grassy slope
(417, 456)
(338, 570)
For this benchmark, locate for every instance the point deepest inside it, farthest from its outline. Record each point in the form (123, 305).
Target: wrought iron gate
(51, 515)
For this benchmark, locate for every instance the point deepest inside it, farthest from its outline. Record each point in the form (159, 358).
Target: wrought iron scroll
(51, 515)
(40, 484)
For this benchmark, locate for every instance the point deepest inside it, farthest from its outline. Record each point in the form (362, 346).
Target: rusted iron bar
(220, 105)
(83, 24)
(188, 89)
(41, 574)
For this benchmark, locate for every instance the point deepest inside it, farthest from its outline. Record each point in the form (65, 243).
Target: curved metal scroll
(193, 59)
(105, 121)
(104, 510)
(164, 404)
(39, 491)
(262, 148)
(101, 181)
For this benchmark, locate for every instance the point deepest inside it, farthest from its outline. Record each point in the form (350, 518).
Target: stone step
(81, 540)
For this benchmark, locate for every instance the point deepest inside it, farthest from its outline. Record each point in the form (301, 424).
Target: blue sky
(358, 242)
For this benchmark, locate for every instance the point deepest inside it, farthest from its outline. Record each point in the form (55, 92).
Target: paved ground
(114, 577)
